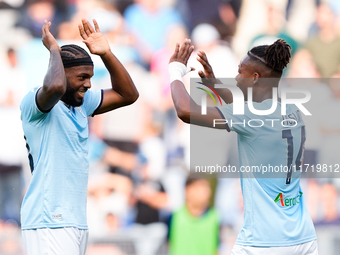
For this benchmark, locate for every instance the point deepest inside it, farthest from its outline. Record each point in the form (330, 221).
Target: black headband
(77, 62)
(262, 60)
(257, 57)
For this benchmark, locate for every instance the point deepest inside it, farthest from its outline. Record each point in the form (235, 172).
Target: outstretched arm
(123, 91)
(208, 77)
(55, 80)
(186, 108)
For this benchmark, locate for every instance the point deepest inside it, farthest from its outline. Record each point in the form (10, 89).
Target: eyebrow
(85, 74)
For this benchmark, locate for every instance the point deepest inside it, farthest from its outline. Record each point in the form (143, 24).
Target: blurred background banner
(140, 155)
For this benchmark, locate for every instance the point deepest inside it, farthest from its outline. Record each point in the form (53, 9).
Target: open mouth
(81, 93)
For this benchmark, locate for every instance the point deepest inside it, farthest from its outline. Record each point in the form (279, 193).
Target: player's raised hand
(47, 38)
(207, 69)
(182, 53)
(93, 38)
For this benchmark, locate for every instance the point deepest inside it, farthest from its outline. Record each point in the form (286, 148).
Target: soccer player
(54, 119)
(276, 220)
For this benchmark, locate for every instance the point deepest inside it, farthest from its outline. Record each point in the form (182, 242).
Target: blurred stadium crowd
(140, 155)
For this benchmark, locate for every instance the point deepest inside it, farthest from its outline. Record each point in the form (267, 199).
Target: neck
(262, 93)
(67, 105)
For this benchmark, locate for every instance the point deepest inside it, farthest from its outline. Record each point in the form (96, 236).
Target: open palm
(94, 39)
(48, 39)
(207, 69)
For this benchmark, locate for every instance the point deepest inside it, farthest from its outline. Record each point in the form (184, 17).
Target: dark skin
(249, 75)
(78, 82)
(72, 83)
(55, 80)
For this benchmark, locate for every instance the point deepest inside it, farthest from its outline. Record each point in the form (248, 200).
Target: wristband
(177, 70)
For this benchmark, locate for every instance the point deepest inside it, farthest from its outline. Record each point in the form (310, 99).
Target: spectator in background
(109, 194)
(146, 169)
(329, 205)
(206, 37)
(104, 12)
(108, 204)
(159, 69)
(114, 128)
(223, 14)
(12, 152)
(149, 22)
(325, 45)
(194, 12)
(303, 66)
(290, 6)
(330, 130)
(37, 11)
(10, 240)
(229, 12)
(303, 74)
(274, 29)
(150, 196)
(13, 80)
(194, 229)
(8, 4)
(160, 60)
(118, 131)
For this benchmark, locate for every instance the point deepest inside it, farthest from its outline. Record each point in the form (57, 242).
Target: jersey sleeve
(92, 101)
(29, 108)
(238, 123)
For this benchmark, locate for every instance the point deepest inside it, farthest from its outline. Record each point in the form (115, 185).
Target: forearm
(120, 79)
(187, 109)
(224, 93)
(54, 82)
(182, 100)
(55, 79)
(190, 112)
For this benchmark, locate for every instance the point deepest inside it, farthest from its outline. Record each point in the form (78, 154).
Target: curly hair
(275, 56)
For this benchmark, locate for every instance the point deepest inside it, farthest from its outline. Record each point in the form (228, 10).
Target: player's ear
(256, 77)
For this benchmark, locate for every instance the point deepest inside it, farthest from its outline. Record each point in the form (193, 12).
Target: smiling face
(78, 82)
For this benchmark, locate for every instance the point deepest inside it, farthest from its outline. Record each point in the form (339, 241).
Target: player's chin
(77, 101)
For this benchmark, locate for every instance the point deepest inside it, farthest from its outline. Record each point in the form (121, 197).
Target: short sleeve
(92, 101)
(238, 123)
(29, 108)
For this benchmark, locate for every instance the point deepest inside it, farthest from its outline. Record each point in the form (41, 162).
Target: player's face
(78, 82)
(245, 76)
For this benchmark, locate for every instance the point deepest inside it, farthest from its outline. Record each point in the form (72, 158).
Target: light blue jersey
(270, 147)
(58, 157)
